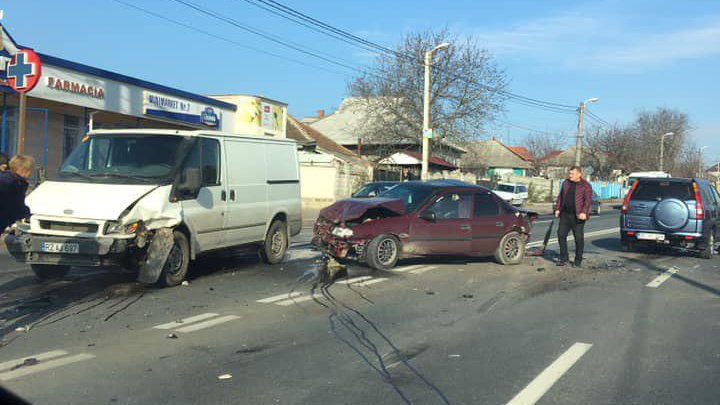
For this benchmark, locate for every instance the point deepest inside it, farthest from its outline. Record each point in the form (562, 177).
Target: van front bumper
(100, 252)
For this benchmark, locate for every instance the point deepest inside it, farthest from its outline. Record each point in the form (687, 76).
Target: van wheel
(383, 252)
(709, 250)
(49, 271)
(178, 261)
(511, 249)
(276, 243)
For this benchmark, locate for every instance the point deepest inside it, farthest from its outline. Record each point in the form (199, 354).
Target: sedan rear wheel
(511, 249)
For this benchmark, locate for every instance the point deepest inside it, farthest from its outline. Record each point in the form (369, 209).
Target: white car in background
(514, 193)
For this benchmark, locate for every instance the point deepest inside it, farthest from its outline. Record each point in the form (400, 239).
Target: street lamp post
(701, 172)
(662, 149)
(581, 113)
(426, 112)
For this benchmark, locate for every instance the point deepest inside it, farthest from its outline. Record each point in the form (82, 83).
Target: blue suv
(671, 211)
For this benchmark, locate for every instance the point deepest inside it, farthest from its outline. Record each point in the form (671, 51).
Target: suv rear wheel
(708, 251)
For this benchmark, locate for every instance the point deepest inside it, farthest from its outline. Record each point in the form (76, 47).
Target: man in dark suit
(573, 208)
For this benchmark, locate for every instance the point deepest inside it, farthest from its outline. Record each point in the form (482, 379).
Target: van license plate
(650, 236)
(52, 247)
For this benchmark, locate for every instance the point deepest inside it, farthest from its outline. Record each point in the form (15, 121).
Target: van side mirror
(190, 187)
(428, 215)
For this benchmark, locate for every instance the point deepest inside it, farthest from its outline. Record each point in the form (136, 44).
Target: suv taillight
(626, 202)
(699, 209)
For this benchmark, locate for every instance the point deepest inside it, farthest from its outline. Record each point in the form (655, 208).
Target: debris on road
(224, 376)
(172, 336)
(429, 292)
(454, 356)
(22, 329)
(185, 283)
(468, 296)
(540, 269)
(26, 363)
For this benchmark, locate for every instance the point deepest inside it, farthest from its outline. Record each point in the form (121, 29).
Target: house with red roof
(491, 157)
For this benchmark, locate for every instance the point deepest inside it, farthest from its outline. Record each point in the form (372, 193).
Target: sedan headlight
(341, 232)
(113, 227)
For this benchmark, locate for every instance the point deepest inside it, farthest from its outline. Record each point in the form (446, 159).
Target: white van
(153, 200)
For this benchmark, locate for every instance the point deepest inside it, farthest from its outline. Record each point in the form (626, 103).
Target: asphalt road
(638, 328)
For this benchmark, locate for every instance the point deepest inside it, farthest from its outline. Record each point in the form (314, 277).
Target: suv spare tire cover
(671, 214)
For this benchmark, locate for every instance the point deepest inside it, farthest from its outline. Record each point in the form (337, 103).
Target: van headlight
(114, 227)
(341, 232)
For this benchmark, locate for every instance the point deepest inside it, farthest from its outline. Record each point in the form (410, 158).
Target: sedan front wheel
(511, 249)
(383, 252)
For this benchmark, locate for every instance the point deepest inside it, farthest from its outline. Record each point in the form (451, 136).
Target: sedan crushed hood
(354, 208)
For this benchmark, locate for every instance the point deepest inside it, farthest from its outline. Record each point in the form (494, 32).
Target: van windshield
(125, 159)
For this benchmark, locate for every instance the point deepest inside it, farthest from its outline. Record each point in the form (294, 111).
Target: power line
(526, 128)
(597, 118)
(228, 40)
(293, 15)
(265, 35)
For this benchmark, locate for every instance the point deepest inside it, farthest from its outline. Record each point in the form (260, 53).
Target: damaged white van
(153, 200)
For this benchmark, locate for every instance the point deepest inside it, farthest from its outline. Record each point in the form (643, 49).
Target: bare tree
(464, 96)
(540, 144)
(636, 147)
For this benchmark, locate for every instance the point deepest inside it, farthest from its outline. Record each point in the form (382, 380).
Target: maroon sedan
(415, 219)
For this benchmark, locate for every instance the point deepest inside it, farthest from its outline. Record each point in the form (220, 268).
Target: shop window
(71, 132)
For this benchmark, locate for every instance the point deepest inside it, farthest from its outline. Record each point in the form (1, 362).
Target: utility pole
(662, 149)
(21, 122)
(426, 113)
(579, 144)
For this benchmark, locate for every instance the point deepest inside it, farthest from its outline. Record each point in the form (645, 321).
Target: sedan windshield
(124, 159)
(411, 194)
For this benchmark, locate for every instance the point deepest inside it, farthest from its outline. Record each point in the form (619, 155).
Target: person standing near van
(573, 208)
(13, 186)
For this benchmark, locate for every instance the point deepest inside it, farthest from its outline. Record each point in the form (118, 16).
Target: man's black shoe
(561, 263)
(577, 264)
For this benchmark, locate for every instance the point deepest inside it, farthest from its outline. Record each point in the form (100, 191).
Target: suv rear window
(660, 190)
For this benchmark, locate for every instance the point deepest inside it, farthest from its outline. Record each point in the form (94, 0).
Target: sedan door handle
(499, 223)
(465, 227)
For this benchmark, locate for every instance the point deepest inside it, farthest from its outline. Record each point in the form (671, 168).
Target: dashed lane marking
(408, 268)
(41, 365)
(197, 322)
(354, 280)
(181, 322)
(293, 301)
(423, 269)
(662, 278)
(280, 297)
(207, 324)
(545, 380)
(373, 281)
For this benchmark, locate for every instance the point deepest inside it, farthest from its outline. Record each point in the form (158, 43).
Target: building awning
(407, 158)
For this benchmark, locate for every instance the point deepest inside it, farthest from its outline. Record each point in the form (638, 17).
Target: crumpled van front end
(91, 225)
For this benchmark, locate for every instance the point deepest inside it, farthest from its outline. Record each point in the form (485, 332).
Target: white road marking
(570, 237)
(23, 371)
(408, 268)
(39, 357)
(287, 303)
(354, 280)
(545, 380)
(207, 324)
(423, 270)
(373, 281)
(196, 318)
(695, 267)
(662, 278)
(280, 297)
(543, 221)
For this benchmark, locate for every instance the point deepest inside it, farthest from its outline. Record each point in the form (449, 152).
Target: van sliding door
(246, 216)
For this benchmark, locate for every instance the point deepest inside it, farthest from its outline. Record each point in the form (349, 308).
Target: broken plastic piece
(172, 336)
(185, 283)
(224, 376)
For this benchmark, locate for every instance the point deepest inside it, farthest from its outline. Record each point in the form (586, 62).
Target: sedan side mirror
(428, 215)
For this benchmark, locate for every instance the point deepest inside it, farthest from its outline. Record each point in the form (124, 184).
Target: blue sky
(633, 55)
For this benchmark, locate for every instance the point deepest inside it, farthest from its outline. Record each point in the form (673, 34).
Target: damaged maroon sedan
(416, 219)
